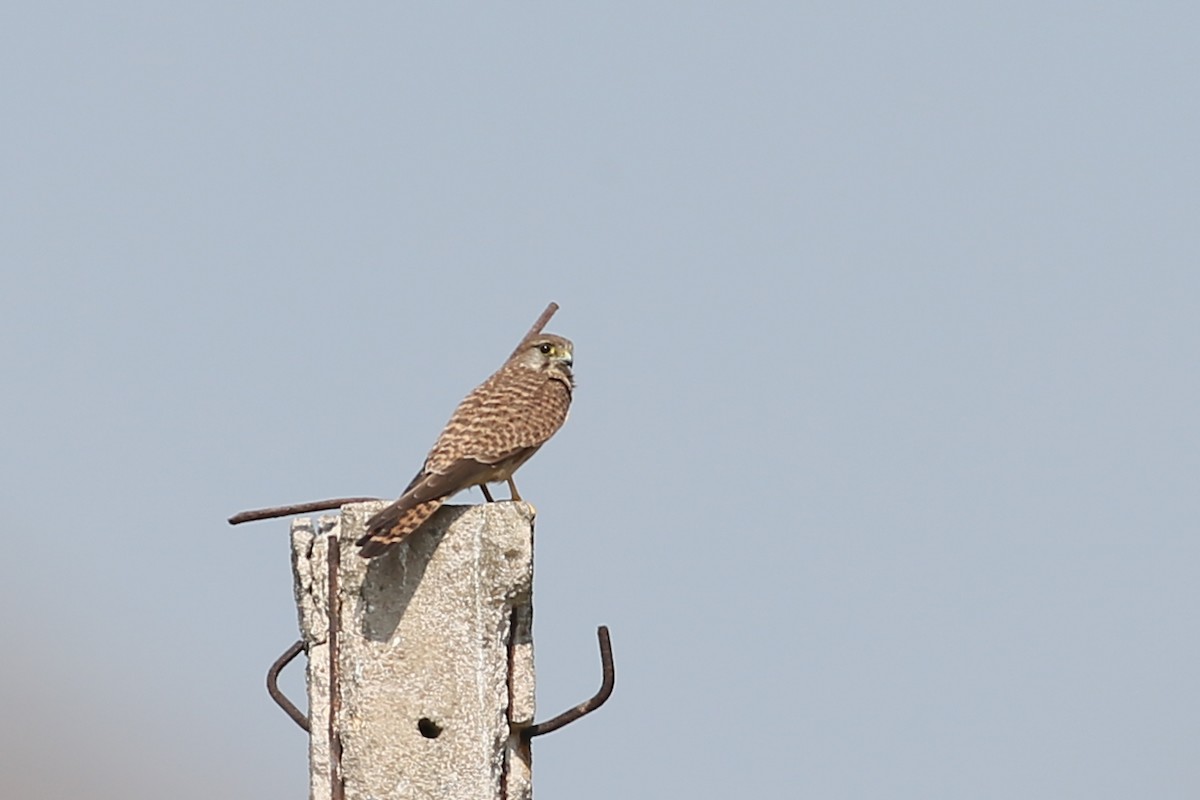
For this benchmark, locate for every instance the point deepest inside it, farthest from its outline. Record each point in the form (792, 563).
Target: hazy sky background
(883, 463)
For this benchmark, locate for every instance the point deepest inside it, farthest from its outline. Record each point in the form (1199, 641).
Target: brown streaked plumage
(494, 430)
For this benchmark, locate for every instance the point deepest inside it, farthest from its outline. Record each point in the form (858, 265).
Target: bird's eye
(545, 348)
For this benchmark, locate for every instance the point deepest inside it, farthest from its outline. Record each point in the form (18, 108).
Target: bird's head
(547, 352)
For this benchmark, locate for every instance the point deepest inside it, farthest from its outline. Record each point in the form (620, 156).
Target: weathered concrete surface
(435, 654)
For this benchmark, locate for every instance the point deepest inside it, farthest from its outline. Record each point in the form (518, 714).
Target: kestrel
(494, 430)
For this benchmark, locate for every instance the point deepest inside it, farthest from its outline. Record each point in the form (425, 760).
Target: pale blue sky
(883, 462)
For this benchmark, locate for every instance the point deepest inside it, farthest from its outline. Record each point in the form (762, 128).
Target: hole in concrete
(428, 728)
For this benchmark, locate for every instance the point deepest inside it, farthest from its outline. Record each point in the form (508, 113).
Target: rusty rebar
(337, 787)
(277, 695)
(537, 326)
(298, 508)
(590, 705)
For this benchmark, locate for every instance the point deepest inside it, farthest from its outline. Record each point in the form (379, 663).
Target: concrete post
(431, 655)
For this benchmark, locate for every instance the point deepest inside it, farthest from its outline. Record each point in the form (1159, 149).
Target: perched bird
(494, 430)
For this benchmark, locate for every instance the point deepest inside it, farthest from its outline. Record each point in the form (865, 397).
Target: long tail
(394, 523)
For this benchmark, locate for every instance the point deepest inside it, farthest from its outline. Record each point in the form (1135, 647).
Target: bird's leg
(512, 489)
(487, 495)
